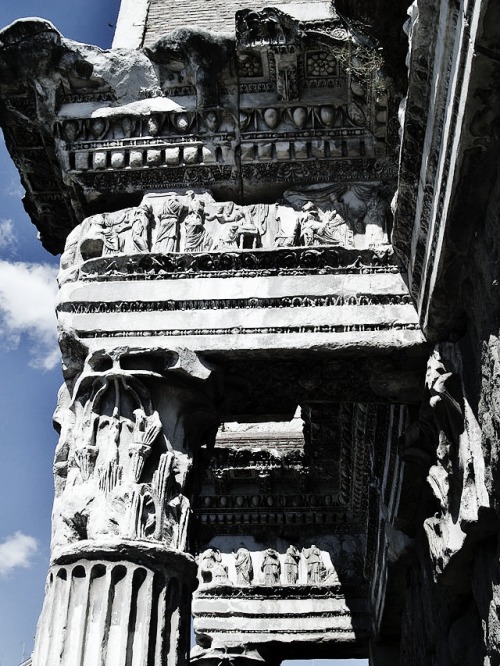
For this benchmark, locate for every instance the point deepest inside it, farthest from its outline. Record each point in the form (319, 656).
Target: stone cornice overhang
(449, 154)
(29, 48)
(92, 130)
(41, 74)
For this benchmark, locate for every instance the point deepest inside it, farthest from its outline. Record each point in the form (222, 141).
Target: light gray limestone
(131, 24)
(102, 610)
(222, 202)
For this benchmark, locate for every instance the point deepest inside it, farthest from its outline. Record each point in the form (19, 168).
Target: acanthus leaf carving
(117, 474)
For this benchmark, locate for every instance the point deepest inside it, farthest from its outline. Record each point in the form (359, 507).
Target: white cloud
(14, 189)
(16, 551)
(7, 235)
(27, 293)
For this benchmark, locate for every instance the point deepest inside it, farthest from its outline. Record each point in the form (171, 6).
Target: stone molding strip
(137, 551)
(239, 330)
(268, 630)
(299, 301)
(262, 592)
(282, 261)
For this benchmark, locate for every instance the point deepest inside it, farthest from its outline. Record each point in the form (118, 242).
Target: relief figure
(228, 239)
(315, 566)
(141, 221)
(167, 230)
(197, 239)
(244, 567)
(271, 567)
(113, 229)
(291, 567)
(212, 570)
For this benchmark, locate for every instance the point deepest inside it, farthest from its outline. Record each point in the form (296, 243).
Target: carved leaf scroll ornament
(121, 477)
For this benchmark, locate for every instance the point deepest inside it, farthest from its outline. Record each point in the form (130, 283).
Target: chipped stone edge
(131, 24)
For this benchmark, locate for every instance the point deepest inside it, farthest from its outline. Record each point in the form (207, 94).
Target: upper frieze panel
(282, 104)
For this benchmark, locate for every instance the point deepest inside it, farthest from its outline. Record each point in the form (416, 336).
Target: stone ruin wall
(280, 384)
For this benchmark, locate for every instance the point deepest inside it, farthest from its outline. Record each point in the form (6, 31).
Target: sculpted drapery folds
(271, 567)
(167, 228)
(268, 568)
(244, 567)
(189, 222)
(292, 560)
(231, 195)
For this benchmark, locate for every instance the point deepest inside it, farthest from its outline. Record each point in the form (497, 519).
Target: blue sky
(29, 368)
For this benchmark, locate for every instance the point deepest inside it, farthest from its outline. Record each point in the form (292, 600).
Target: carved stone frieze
(299, 251)
(239, 113)
(301, 301)
(290, 261)
(333, 292)
(279, 594)
(356, 217)
(309, 566)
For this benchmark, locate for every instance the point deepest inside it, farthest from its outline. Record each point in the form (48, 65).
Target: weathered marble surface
(282, 103)
(121, 576)
(232, 262)
(146, 601)
(307, 566)
(267, 277)
(326, 215)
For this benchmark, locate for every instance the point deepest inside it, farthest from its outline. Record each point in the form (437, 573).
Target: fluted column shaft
(116, 612)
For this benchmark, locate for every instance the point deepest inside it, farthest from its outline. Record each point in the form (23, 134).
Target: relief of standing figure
(292, 559)
(167, 234)
(212, 569)
(244, 567)
(197, 238)
(113, 228)
(271, 567)
(141, 218)
(315, 566)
